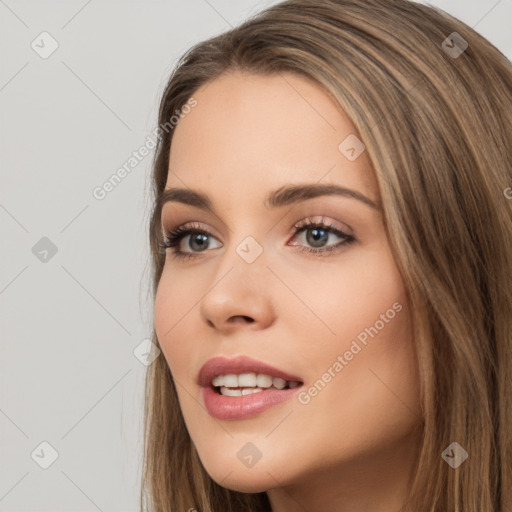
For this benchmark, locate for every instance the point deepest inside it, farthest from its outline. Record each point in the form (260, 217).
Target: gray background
(70, 321)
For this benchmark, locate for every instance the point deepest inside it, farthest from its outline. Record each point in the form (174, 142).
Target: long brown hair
(434, 110)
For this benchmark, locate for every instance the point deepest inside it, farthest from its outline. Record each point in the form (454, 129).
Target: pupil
(315, 238)
(203, 241)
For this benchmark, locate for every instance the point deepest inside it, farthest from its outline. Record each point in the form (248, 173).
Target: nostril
(243, 317)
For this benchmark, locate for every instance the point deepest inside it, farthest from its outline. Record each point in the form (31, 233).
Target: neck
(378, 482)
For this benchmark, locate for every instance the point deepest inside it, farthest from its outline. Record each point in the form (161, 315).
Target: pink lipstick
(241, 387)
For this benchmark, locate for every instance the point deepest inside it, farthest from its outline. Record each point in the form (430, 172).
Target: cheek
(364, 393)
(362, 364)
(347, 299)
(171, 308)
(173, 312)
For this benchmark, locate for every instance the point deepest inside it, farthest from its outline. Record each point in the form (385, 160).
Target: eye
(199, 239)
(317, 234)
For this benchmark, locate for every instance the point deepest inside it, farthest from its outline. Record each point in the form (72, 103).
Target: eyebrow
(283, 196)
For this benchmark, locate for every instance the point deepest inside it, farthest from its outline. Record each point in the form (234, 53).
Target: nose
(239, 298)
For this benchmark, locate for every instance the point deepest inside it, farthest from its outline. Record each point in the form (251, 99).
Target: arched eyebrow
(283, 196)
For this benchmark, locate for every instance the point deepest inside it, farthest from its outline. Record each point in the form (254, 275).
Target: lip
(245, 406)
(241, 364)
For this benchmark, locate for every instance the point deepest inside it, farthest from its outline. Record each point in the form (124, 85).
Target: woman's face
(336, 319)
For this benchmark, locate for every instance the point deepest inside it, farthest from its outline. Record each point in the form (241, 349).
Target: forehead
(252, 132)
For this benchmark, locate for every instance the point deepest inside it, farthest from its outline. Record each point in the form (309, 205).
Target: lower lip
(245, 406)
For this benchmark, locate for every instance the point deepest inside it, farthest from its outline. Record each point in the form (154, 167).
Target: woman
(331, 241)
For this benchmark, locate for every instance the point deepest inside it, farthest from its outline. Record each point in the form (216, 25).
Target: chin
(245, 480)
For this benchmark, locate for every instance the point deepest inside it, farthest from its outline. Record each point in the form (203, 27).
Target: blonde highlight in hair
(438, 131)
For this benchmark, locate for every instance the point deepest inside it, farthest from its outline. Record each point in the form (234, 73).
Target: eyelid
(193, 225)
(323, 220)
(309, 219)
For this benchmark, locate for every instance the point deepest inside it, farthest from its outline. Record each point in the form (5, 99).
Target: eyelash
(173, 238)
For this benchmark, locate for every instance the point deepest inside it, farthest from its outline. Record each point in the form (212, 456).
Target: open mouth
(250, 383)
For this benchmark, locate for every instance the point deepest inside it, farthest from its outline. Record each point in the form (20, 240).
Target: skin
(353, 446)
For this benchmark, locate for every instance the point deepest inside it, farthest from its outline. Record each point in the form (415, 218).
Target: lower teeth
(238, 391)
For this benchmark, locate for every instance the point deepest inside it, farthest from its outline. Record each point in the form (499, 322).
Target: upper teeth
(250, 380)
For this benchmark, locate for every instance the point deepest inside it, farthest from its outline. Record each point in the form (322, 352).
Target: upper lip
(240, 364)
